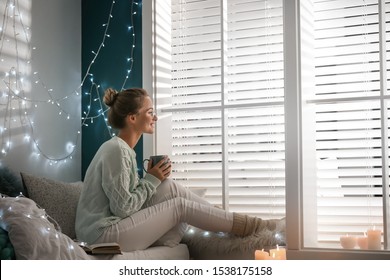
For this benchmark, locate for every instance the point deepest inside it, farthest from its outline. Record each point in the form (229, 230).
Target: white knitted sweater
(112, 190)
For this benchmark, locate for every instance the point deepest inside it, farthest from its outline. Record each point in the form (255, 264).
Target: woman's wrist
(152, 179)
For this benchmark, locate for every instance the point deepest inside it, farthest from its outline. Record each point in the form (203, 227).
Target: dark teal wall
(111, 66)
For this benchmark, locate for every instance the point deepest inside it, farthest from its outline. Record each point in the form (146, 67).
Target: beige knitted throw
(199, 240)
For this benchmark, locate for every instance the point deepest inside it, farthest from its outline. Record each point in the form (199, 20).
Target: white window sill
(334, 254)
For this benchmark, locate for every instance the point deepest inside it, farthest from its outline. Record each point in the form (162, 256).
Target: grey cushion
(10, 183)
(59, 199)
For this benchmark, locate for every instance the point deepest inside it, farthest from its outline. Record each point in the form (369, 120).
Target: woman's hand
(161, 170)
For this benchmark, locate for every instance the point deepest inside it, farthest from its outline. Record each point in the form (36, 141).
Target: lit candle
(374, 239)
(363, 242)
(275, 257)
(278, 253)
(348, 242)
(261, 255)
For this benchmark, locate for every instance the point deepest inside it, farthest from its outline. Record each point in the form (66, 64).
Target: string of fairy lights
(16, 99)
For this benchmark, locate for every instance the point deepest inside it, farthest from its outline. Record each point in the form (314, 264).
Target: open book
(101, 248)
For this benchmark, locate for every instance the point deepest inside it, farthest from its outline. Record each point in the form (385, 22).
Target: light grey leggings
(163, 219)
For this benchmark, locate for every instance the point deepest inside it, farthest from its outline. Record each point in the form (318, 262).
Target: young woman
(117, 206)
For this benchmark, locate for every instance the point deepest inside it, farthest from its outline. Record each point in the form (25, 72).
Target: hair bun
(110, 96)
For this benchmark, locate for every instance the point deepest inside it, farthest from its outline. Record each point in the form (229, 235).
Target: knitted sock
(239, 224)
(244, 225)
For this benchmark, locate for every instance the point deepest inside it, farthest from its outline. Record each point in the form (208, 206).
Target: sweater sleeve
(120, 182)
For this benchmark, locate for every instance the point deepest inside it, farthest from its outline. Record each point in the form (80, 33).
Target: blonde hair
(122, 104)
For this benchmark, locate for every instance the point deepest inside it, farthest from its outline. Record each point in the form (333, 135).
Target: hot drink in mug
(156, 159)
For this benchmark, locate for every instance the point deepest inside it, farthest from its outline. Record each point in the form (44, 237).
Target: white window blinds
(347, 117)
(226, 105)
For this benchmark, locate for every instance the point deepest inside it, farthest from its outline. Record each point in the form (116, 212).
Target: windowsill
(328, 254)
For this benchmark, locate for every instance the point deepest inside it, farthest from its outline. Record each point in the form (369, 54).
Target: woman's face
(146, 118)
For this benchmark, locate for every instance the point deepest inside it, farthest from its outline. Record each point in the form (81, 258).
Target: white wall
(147, 67)
(156, 31)
(55, 28)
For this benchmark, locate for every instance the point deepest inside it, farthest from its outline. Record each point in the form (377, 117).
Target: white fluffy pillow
(32, 235)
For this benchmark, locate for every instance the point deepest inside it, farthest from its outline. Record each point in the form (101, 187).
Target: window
(344, 120)
(279, 108)
(225, 108)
